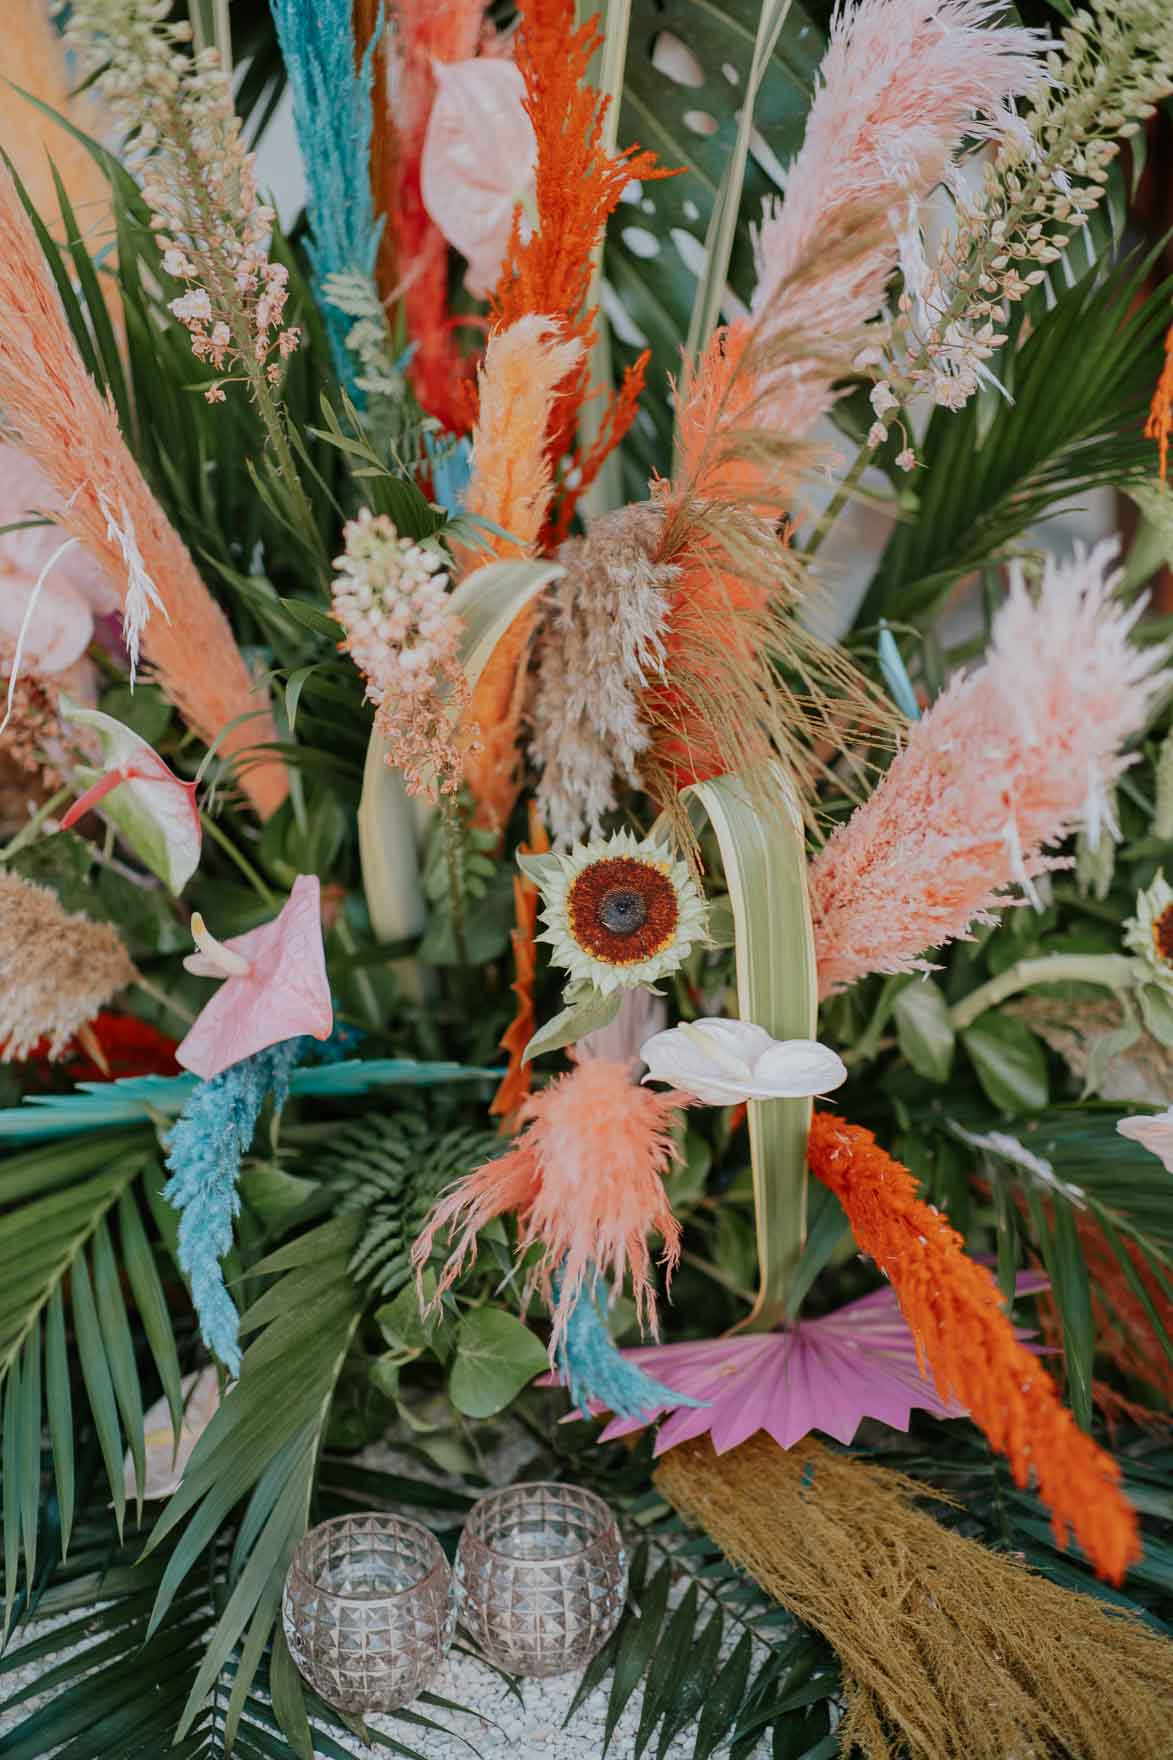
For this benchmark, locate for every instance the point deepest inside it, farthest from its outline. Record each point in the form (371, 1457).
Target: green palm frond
(689, 116)
(721, 1659)
(108, 1687)
(997, 467)
(1114, 1182)
(61, 1274)
(392, 1168)
(262, 1445)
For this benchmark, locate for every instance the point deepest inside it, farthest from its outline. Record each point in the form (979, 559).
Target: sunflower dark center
(1163, 934)
(623, 910)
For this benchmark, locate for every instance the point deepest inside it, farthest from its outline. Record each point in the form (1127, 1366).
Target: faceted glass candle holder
(541, 1577)
(368, 1610)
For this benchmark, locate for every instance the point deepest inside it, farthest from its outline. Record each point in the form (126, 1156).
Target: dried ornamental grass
(948, 1648)
(57, 969)
(72, 433)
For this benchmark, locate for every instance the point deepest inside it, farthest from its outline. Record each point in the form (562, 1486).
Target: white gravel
(496, 1725)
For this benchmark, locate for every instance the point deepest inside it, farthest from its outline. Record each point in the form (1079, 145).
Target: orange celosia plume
(577, 185)
(1160, 423)
(427, 31)
(66, 425)
(518, 1078)
(585, 1178)
(954, 1311)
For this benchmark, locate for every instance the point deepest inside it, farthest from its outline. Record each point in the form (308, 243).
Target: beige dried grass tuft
(57, 969)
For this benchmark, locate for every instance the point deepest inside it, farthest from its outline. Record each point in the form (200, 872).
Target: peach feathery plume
(585, 1178)
(71, 431)
(511, 485)
(903, 84)
(1006, 762)
(37, 144)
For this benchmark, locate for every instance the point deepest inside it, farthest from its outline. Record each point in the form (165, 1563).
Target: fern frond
(391, 1168)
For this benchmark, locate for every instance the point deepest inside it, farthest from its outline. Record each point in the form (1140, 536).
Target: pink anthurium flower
(478, 161)
(827, 1374)
(275, 985)
(152, 808)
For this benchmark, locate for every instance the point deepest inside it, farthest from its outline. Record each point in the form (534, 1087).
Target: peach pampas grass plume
(585, 1178)
(955, 1314)
(1006, 762)
(902, 85)
(61, 419)
(511, 485)
(34, 60)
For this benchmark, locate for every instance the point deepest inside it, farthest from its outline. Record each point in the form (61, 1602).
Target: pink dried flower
(391, 597)
(1007, 762)
(827, 1374)
(586, 1180)
(902, 84)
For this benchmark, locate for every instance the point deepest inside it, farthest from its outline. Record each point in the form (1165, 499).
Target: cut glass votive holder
(541, 1577)
(368, 1611)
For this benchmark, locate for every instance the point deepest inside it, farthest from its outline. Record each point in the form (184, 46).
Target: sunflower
(1149, 934)
(618, 911)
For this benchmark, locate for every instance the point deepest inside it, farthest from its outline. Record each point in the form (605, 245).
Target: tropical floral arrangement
(579, 860)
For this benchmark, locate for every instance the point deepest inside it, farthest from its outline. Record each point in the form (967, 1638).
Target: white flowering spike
(724, 1062)
(619, 912)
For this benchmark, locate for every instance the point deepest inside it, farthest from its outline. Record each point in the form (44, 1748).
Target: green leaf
(588, 1013)
(923, 1031)
(496, 1356)
(59, 1401)
(997, 467)
(1157, 1009)
(764, 855)
(636, 1649)
(145, 710)
(489, 600)
(720, 1708)
(1008, 1061)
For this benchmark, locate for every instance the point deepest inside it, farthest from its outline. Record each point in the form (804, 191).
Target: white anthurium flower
(166, 1462)
(725, 1062)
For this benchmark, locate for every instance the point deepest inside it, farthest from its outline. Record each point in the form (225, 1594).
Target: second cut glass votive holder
(541, 1577)
(368, 1610)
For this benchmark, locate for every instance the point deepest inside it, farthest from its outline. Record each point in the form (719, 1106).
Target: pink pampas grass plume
(1006, 763)
(71, 431)
(585, 1178)
(902, 84)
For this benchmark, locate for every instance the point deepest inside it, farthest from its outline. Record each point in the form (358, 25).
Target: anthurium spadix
(149, 806)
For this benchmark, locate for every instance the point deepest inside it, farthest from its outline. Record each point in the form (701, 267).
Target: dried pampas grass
(948, 1648)
(71, 431)
(57, 969)
(511, 485)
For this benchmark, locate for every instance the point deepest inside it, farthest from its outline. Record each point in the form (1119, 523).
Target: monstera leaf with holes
(685, 79)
